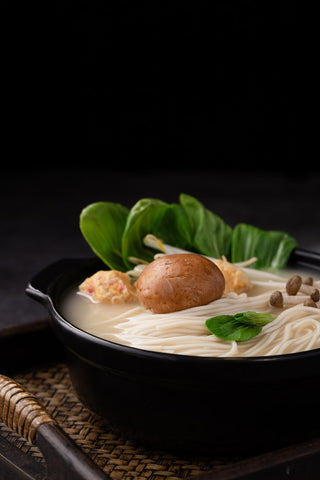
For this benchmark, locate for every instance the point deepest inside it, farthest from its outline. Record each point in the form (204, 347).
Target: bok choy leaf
(143, 218)
(272, 248)
(102, 225)
(115, 233)
(211, 235)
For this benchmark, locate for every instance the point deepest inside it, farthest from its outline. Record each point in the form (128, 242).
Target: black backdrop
(152, 85)
(170, 85)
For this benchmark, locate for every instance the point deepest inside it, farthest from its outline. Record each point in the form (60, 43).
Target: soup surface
(296, 327)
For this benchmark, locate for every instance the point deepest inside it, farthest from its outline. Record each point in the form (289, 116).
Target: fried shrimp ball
(109, 286)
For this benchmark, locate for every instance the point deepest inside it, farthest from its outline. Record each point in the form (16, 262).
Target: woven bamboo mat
(118, 457)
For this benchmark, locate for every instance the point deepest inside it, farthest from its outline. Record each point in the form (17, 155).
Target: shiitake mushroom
(179, 281)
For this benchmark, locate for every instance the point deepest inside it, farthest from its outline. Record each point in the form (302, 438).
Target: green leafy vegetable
(142, 219)
(102, 225)
(272, 248)
(174, 228)
(211, 235)
(167, 222)
(239, 327)
(116, 233)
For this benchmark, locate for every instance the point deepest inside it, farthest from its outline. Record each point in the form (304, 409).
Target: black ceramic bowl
(177, 402)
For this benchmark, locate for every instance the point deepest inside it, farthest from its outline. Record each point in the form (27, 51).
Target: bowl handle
(38, 287)
(306, 258)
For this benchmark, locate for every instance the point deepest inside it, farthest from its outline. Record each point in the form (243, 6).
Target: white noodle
(184, 332)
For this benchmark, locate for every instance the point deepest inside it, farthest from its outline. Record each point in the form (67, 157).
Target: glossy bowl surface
(185, 403)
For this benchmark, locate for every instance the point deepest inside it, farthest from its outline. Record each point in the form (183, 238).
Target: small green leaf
(254, 318)
(239, 327)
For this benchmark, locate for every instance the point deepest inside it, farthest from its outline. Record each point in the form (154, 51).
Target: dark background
(153, 85)
(167, 85)
(117, 101)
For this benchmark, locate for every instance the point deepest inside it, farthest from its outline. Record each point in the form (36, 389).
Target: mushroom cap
(276, 299)
(315, 295)
(179, 281)
(293, 285)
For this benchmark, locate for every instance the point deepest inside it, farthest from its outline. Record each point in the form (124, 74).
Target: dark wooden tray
(126, 460)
